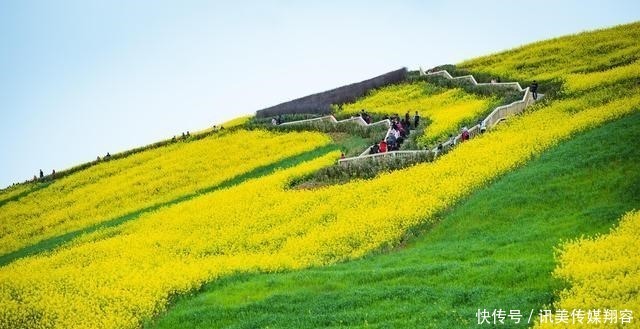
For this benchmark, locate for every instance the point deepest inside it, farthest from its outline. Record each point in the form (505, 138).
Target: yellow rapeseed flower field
(233, 123)
(604, 273)
(115, 188)
(14, 191)
(583, 53)
(114, 281)
(118, 277)
(582, 81)
(446, 109)
(236, 121)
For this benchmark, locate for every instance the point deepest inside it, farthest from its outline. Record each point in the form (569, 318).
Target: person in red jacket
(383, 146)
(465, 134)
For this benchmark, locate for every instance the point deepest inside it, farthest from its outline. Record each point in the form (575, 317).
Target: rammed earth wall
(320, 103)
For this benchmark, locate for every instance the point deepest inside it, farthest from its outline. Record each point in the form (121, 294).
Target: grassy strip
(52, 243)
(494, 250)
(22, 194)
(359, 169)
(350, 145)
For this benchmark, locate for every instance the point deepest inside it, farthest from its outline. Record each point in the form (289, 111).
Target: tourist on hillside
(396, 133)
(188, 134)
(342, 155)
(391, 141)
(383, 146)
(406, 129)
(41, 174)
(534, 89)
(374, 148)
(53, 173)
(279, 119)
(398, 137)
(481, 127)
(465, 134)
(274, 122)
(108, 156)
(416, 120)
(407, 117)
(452, 140)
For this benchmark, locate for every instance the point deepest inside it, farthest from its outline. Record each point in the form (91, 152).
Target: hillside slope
(475, 257)
(494, 250)
(122, 276)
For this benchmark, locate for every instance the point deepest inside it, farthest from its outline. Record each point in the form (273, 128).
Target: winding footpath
(498, 114)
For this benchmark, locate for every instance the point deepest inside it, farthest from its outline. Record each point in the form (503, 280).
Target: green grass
(493, 250)
(350, 145)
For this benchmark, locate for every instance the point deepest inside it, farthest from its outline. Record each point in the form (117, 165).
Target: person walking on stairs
(534, 89)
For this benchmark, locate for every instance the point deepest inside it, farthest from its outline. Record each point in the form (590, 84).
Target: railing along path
(498, 114)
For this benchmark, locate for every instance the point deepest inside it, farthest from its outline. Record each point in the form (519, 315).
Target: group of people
(406, 122)
(106, 157)
(184, 136)
(398, 133)
(465, 135)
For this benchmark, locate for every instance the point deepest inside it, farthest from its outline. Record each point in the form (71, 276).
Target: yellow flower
(446, 109)
(115, 188)
(117, 277)
(604, 273)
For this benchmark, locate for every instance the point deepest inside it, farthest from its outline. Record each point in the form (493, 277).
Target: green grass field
(493, 250)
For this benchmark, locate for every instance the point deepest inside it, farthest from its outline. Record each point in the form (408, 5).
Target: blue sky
(79, 79)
